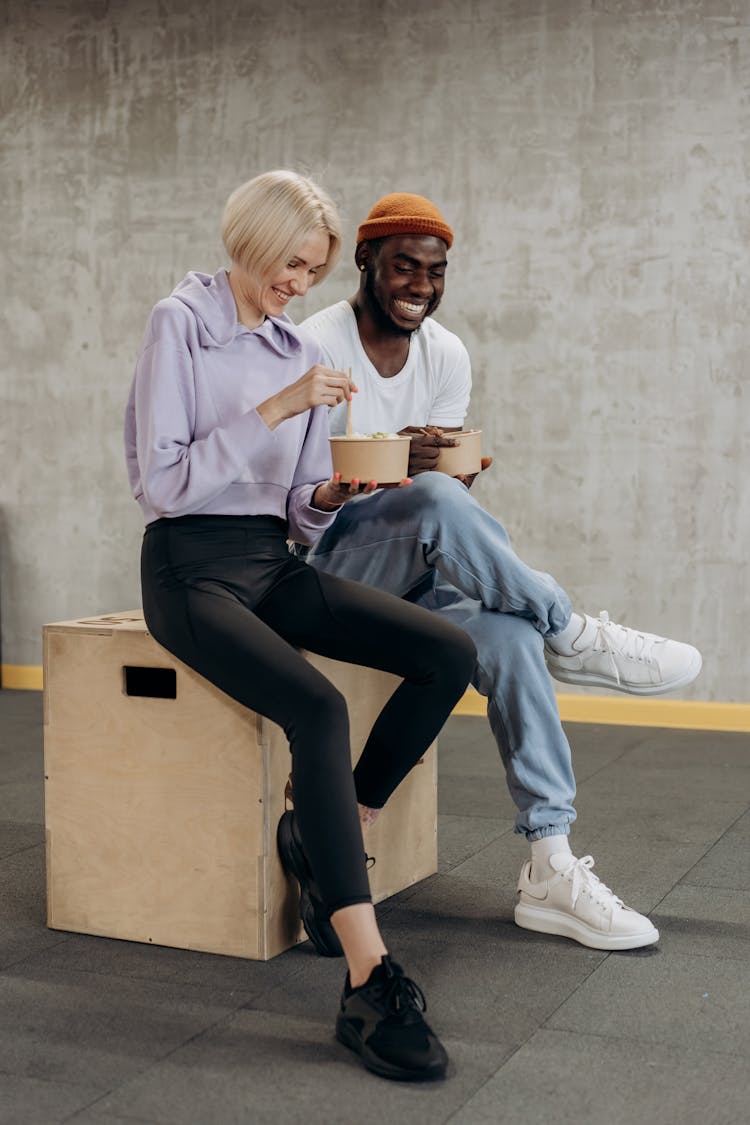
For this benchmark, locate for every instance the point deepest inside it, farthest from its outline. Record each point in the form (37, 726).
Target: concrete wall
(592, 156)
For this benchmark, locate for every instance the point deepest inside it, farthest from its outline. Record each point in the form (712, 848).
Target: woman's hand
(426, 442)
(330, 495)
(320, 386)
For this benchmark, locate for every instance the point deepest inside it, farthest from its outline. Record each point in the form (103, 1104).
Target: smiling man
(433, 544)
(423, 376)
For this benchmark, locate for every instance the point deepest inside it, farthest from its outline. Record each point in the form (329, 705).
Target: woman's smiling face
(277, 288)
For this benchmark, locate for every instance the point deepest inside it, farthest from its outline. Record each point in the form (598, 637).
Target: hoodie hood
(211, 301)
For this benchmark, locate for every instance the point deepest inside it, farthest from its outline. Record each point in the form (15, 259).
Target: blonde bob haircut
(266, 218)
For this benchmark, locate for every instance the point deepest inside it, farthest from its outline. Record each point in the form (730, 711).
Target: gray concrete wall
(592, 156)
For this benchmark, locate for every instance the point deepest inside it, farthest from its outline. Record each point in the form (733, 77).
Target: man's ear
(362, 256)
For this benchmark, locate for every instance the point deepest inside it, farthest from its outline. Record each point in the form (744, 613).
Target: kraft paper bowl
(459, 460)
(385, 460)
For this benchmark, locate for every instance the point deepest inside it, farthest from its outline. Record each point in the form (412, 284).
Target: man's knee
(506, 642)
(436, 486)
(420, 510)
(435, 496)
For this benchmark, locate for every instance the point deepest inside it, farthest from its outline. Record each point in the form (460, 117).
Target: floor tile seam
(490, 1077)
(713, 845)
(578, 984)
(248, 1005)
(121, 1087)
(609, 1037)
(5, 1073)
(471, 855)
(476, 816)
(715, 957)
(35, 953)
(26, 848)
(711, 887)
(115, 1117)
(155, 981)
(603, 766)
(681, 881)
(521, 1045)
(19, 851)
(581, 1034)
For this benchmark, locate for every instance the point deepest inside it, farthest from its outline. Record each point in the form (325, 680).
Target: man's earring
(361, 269)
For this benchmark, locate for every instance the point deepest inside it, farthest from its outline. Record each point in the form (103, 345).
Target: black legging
(225, 596)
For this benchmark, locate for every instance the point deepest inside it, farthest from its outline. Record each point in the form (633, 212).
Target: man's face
(405, 280)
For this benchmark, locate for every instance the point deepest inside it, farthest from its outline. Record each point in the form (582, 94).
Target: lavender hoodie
(194, 442)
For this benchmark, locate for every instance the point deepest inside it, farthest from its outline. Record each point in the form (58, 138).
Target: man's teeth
(407, 306)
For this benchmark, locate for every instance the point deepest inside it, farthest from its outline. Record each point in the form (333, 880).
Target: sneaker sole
(349, 1037)
(589, 679)
(294, 862)
(562, 925)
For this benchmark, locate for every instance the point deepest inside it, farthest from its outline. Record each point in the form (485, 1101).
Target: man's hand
(425, 447)
(330, 495)
(469, 478)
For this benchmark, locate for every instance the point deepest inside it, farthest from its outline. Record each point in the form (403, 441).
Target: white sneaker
(610, 655)
(575, 904)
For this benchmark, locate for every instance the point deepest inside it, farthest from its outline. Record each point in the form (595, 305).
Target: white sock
(562, 642)
(541, 850)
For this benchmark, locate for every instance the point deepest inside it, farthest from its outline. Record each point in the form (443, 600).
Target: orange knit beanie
(403, 213)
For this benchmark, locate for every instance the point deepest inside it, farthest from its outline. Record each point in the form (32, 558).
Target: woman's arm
(178, 474)
(307, 523)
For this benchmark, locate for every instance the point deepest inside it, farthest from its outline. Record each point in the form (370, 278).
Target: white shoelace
(617, 640)
(582, 877)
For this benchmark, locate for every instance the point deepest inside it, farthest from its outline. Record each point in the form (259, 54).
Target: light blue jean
(432, 543)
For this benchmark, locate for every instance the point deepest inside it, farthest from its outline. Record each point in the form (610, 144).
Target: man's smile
(412, 310)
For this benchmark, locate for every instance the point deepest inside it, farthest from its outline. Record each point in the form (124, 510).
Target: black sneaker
(382, 1021)
(312, 910)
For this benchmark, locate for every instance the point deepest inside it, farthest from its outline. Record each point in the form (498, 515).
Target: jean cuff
(553, 830)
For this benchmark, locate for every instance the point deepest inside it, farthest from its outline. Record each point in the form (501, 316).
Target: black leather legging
(223, 594)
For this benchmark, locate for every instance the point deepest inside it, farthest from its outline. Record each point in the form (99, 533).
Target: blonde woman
(227, 450)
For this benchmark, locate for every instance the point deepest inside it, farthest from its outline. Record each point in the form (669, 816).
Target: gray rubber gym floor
(539, 1029)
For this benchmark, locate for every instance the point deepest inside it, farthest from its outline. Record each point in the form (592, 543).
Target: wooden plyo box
(162, 797)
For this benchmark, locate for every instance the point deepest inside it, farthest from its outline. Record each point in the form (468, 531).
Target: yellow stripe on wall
(619, 711)
(630, 711)
(24, 676)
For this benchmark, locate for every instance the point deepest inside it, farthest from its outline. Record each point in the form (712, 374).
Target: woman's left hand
(330, 495)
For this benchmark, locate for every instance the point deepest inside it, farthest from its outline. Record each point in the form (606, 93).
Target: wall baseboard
(629, 711)
(633, 712)
(26, 677)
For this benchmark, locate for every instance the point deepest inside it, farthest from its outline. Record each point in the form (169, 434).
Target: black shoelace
(403, 993)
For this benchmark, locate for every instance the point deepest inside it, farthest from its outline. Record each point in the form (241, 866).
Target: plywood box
(162, 797)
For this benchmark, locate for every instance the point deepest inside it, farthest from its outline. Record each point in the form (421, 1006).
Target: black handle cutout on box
(154, 683)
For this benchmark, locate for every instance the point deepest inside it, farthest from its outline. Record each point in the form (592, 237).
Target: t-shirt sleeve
(335, 333)
(451, 401)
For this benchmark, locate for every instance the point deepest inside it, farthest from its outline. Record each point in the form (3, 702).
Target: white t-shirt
(431, 389)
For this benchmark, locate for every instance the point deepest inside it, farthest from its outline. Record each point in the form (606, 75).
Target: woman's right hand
(320, 386)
